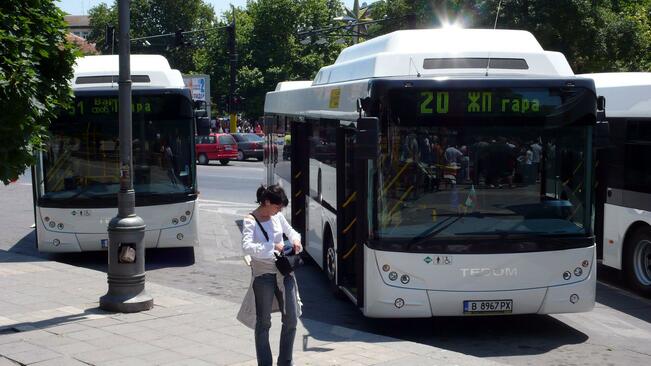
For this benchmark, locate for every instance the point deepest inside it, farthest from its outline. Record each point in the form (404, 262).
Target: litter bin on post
(126, 267)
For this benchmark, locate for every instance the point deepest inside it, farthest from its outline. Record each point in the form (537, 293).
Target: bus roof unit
(147, 71)
(628, 94)
(437, 52)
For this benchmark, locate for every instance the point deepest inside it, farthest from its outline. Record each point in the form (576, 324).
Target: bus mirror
(601, 103)
(367, 138)
(601, 135)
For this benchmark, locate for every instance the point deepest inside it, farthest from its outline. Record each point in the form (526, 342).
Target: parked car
(216, 146)
(249, 145)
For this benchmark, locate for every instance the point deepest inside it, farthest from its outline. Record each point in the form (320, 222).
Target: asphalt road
(617, 332)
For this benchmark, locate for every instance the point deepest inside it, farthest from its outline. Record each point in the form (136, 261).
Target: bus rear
(481, 199)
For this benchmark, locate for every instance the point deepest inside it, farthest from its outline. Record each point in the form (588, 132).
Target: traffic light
(109, 37)
(178, 38)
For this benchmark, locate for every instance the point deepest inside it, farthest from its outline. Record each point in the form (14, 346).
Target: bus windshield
(81, 159)
(448, 170)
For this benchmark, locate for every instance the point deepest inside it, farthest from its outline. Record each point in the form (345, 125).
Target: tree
(268, 48)
(34, 74)
(157, 17)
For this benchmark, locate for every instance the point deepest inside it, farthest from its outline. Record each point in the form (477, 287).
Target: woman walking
(262, 236)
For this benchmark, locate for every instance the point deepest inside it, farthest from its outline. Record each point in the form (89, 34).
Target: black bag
(283, 263)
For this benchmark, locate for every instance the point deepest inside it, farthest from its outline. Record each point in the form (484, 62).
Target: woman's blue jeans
(265, 288)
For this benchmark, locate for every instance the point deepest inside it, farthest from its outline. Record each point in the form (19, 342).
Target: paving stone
(33, 355)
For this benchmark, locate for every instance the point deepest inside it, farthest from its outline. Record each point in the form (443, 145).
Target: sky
(80, 7)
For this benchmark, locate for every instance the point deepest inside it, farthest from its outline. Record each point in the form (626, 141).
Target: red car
(216, 146)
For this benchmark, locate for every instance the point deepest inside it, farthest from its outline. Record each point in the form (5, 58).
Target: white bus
(623, 204)
(76, 177)
(442, 173)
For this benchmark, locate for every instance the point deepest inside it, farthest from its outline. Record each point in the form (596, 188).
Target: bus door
(349, 250)
(299, 156)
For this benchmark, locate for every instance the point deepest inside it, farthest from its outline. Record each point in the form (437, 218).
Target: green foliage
(34, 79)
(156, 17)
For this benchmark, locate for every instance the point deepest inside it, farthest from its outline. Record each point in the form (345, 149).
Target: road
(617, 332)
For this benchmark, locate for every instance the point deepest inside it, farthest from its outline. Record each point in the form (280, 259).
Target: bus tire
(203, 159)
(330, 265)
(224, 162)
(637, 260)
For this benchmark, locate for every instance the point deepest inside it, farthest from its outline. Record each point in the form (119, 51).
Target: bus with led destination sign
(428, 185)
(77, 174)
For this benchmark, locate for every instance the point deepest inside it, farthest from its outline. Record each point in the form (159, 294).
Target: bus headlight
(386, 268)
(56, 242)
(585, 263)
(574, 298)
(183, 218)
(52, 224)
(578, 271)
(179, 236)
(404, 279)
(187, 213)
(399, 303)
(175, 221)
(567, 275)
(393, 276)
(60, 226)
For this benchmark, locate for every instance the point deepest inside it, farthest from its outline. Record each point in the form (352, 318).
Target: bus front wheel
(637, 257)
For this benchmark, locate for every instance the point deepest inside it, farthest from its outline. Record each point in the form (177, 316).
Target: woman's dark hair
(274, 194)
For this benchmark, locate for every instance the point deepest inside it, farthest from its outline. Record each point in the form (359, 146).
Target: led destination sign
(165, 106)
(106, 105)
(486, 102)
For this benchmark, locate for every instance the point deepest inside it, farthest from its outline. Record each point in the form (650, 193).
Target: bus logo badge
(428, 260)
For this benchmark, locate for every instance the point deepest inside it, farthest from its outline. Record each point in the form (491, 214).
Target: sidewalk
(49, 316)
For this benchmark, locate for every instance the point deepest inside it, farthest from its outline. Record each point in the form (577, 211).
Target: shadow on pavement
(156, 258)
(612, 292)
(52, 322)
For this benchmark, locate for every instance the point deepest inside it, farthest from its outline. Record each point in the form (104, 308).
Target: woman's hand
(279, 247)
(297, 247)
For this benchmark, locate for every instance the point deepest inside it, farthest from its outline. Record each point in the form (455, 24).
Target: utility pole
(233, 75)
(126, 251)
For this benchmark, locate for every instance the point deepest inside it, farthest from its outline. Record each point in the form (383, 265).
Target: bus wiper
(434, 230)
(503, 234)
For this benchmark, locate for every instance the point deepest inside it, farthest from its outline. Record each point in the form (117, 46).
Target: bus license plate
(487, 306)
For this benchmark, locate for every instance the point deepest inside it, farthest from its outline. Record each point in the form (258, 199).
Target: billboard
(199, 85)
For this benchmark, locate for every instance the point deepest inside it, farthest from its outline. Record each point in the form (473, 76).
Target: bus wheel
(637, 256)
(223, 162)
(330, 266)
(203, 159)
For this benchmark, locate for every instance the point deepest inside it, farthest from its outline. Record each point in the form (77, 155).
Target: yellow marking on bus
(298, 193)
(349, 252)
(396, 177)
(298, 174)
(334, 98)
(350, 199)
(402, 198)
(349, 226)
